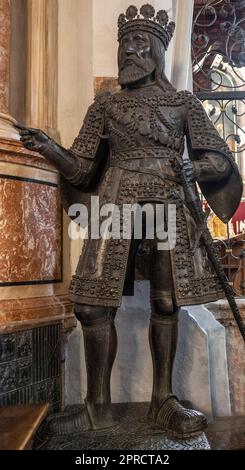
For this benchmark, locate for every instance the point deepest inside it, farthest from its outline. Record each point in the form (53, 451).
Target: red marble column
(33, 274)
(5, 32)
(7, 131)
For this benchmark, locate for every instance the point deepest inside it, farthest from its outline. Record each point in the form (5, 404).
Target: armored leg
(162, 339)
(100, 344)
(165, 409)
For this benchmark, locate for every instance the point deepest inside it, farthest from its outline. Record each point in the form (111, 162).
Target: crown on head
(145, 20)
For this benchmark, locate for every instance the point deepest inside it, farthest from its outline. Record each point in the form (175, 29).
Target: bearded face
(134, 58)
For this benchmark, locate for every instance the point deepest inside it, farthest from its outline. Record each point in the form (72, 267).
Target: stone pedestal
(35, 314)
(200, 373)
(200, 370)
(132, 432)
(235, 352)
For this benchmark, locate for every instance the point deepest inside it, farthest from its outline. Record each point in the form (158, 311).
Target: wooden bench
(18, 425)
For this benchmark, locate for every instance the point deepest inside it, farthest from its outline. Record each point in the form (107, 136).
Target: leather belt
(163, 177)
(142, 153)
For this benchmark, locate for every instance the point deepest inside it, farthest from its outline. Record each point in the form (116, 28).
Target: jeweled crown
(146, 20)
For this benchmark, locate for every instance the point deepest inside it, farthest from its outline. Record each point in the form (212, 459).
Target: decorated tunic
(128, 151)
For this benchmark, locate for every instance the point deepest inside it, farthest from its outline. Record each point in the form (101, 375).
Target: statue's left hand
(189, 170)
(212, 167)
(34, 139)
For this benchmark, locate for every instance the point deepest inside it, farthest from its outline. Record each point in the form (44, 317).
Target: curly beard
(135, 70)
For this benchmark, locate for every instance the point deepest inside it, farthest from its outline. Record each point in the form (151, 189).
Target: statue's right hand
(34, 139)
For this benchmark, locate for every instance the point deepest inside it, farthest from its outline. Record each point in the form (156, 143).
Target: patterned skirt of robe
(100, 274)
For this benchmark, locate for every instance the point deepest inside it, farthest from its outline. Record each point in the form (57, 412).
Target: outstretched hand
(33, 139)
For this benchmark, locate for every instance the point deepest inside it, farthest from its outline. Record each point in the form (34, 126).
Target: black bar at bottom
(109, 459)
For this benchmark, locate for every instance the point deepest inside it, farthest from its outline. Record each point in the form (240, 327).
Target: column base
(7, 130)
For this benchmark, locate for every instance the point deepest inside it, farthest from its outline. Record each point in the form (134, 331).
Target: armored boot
(100, 344)
(165, 409)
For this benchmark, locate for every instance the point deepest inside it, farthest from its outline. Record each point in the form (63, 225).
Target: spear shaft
(195, 207)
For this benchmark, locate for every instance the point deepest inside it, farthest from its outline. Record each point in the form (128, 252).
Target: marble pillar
(4, 54)
(35, 314)
(6, 121)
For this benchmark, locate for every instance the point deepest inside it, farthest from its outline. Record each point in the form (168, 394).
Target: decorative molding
(26, 332)
(27, 180)
(30, 366)
(7, 130)
(21, 314)
(12, 151)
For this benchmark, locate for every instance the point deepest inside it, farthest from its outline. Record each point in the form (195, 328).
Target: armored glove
(66, 162)
(211, 167)
(35, 139)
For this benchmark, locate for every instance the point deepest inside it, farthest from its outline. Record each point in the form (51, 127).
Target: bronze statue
(129, 150)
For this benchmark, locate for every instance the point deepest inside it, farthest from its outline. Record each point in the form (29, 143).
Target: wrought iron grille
(218, 64)
(30, 367)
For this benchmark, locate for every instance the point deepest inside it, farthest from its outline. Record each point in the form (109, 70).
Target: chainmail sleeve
(89, 147)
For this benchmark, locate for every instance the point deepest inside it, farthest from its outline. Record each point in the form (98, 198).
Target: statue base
(132, 432)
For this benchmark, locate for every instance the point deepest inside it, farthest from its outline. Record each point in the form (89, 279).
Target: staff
(195, 207)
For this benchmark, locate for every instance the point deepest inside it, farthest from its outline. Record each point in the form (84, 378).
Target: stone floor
(133, 432)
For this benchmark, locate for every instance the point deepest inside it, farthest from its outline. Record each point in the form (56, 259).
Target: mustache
(134, 60)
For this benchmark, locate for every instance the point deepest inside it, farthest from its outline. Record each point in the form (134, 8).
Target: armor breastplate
(136, 122)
